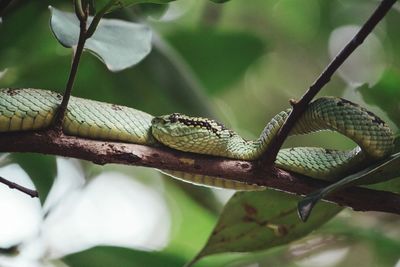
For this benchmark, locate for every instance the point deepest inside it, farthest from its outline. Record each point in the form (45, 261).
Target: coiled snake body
(32, 109)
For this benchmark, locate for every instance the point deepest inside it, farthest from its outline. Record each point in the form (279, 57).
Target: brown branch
(102, 152)
(299, 107)
(12, 185)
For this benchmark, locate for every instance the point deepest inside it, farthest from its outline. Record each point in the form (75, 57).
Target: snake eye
(157, 120)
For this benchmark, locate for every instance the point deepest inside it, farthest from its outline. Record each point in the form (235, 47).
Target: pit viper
(33, 109)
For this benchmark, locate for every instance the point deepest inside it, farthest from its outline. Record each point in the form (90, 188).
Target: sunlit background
(239, 62)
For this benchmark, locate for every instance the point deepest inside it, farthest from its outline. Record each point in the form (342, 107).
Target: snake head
(186, 133)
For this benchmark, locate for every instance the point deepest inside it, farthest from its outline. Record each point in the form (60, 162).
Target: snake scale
(32, 109)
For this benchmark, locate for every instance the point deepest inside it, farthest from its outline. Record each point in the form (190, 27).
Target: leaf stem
(299, 107)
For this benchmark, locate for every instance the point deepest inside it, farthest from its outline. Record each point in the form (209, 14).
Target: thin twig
(12, 185)
(74, 69)
(84, 34)
(102, 152)
(300, 106)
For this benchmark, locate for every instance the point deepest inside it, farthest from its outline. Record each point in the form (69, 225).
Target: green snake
(33, 109)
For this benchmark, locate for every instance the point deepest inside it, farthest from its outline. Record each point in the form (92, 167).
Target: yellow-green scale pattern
(33, 109)
(205, 136)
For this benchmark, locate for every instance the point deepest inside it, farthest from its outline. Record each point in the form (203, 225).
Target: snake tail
(213, 181)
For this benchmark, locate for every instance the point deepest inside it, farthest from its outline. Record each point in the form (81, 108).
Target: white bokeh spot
(20, 214)
(366, 64)
(111, 209)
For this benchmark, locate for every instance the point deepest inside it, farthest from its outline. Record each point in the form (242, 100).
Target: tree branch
(12, 185)
(299, 107)
(102, 152)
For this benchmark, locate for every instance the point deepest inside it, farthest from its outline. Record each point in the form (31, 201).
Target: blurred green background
(240, 63)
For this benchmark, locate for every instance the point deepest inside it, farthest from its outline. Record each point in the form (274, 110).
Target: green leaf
(117, 4)
(119, 44)
(218, 58)
(153, 11)
(253, 221)
(381, 171)
(115, 256)
(41, 168)
(219, 1)
(385, 94)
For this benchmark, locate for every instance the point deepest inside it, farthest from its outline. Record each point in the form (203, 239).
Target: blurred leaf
(13, 48)
(41, 168)
(187, 237)
(152, 10)
(254, 221)
(202, 195)
(385, 94)
(119, 44)
(360, 230)
(116, 256)
(382, 171)
(219, 1)
(117, 4)
(299, 22)
(218, 58)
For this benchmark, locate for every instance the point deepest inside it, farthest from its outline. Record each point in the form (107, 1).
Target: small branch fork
(85, 33)
(82, 14)
(299, 107)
